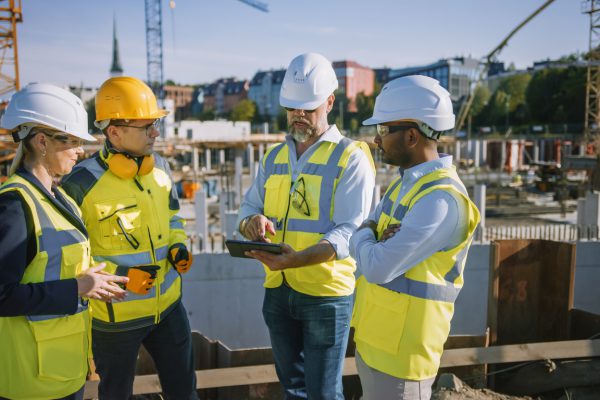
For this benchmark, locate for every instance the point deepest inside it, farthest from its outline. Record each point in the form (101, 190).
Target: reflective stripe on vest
(175, 223)
(329, 172)
(424, 290)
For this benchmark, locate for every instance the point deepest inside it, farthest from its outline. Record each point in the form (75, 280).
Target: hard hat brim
(302, 105)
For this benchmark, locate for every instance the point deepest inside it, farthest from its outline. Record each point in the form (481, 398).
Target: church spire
(115, 69)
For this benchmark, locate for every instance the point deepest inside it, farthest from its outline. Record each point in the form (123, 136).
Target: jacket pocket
(61, 347)
(120, 224)
(382, 319)
(277, 194)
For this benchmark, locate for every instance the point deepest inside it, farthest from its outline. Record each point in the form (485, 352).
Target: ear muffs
(126, 167)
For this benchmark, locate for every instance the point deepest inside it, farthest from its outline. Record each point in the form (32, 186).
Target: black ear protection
(124, 165)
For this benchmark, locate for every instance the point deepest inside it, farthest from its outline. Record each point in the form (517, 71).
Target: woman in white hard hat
(45, 274)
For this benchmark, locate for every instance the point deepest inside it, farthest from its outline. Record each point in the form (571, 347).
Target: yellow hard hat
(124, 97)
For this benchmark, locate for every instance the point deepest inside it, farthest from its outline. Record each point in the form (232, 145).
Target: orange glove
(180, 257)
(141, 278)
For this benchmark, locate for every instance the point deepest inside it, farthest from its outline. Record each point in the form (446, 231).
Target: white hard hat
(308, 82)
(416, 98)
(41, 104)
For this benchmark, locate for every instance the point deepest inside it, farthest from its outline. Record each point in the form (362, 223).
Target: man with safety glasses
(310, 193)
(130, 207)
(412, 249)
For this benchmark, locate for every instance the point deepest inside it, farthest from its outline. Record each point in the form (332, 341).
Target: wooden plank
(236, 376)
(531, 291)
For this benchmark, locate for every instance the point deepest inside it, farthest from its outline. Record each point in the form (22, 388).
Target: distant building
(264, 91)
(353, 79)
(208, 131)
(182, 99)
(223, 95)
(382, 75)
(454, 74)
(115, 69)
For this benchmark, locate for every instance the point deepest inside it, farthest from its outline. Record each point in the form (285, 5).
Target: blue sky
(69, 41)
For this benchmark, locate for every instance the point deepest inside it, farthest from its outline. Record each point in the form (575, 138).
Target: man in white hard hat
(310, 193)
(412, 249)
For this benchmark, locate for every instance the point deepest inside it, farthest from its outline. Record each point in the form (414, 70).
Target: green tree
(243, 111)
(364, 105)
(90, 107)
(557, 95)
(480, 99)
(505, 101)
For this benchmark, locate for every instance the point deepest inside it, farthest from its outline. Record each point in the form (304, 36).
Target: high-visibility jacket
(130, 222)
(46, 356)
(305, 223)
(401, 326)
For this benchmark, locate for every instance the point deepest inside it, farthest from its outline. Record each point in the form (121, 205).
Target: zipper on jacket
(157, 284)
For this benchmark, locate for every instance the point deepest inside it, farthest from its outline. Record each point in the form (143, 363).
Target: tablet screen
(238, 247)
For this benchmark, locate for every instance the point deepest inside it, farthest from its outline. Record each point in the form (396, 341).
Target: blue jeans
(309, 336)
(170, 345)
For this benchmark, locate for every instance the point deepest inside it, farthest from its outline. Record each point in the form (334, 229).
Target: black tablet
(238, 247)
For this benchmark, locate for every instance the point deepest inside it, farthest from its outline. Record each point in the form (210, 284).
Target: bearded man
(310, 194)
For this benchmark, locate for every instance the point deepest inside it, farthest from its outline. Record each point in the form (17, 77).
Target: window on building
(190, 134)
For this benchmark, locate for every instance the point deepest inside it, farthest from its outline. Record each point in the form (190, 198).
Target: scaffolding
(10, 15)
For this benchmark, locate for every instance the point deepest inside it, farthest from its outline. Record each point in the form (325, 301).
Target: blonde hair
(18, 160)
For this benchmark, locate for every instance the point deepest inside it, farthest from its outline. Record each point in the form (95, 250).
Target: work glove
(141, 278)
(180, 257)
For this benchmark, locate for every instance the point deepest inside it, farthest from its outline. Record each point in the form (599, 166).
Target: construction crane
(487, 61)
(154, 42)
(592, 87)
(10, 15)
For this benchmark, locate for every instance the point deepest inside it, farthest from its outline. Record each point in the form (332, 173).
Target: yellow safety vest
(46, 356)
(401, 326)
(130, 222)
(293, 226)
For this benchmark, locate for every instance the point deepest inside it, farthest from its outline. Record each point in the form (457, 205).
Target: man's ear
(413, 136)
(112, 133)
(330, 101)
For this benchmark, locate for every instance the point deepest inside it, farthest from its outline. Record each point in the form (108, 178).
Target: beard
(302, 134)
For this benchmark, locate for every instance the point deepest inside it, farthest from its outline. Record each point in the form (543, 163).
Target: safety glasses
(299, 197)
(64, 139)
(384, 130)
(148, 129)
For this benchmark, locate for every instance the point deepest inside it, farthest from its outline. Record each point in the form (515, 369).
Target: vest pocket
(119, 223)
(61, 347)
(382, 319)
(277, 194)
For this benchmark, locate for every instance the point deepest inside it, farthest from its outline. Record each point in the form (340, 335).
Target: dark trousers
(170, 345)
(309, 336)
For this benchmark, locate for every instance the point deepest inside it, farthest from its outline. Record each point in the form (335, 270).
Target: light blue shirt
(352, 197)
(437, 221)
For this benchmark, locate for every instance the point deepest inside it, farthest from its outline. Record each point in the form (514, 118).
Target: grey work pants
(377, 385)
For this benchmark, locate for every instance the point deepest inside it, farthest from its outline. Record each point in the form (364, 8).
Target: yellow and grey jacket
(46, 356)
(302, 212)
(130, 222)
(402, 325)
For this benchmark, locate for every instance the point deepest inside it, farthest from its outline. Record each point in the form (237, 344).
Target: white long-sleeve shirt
(352, 197)
(435, 222)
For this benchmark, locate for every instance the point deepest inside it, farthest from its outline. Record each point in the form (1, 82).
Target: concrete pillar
(222, 156)
(536, 151)
(456, 151)
(484, 152)
(201, 209)
(237, 179)
(251, 165)
(592, 209)
(207, 155)
(476, 155)
(226, 203)
(479, 200)
(195, 160)
(542, 150)
(230, 230)
(470, 148)
(261, 151)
